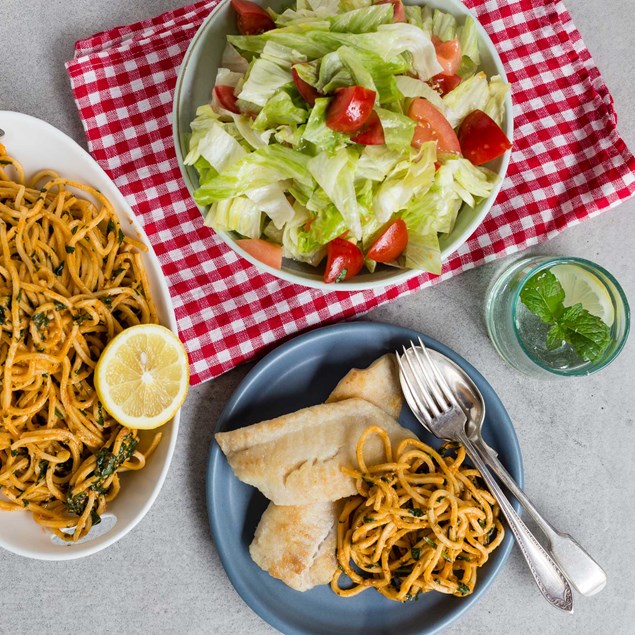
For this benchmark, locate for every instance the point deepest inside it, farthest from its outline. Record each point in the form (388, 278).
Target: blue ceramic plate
(302, 373)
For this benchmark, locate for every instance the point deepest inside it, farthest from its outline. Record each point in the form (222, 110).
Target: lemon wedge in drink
(581, 286)
(142, 376)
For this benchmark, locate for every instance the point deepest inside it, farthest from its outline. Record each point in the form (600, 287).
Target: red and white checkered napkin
(568, 164)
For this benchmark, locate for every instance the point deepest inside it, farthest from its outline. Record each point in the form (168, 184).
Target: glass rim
(543, 262)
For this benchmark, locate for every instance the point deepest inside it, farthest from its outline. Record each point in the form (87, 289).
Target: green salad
(343, 134)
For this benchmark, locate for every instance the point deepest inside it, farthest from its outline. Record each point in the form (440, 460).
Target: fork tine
(421, 396)
(423, 384)
(441, 381)
(411, 393)
(425, 369)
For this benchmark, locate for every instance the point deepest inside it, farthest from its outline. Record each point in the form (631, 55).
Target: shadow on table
(199, 418)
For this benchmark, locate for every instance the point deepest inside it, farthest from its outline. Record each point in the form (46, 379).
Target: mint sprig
(589, 336)
(544, 295)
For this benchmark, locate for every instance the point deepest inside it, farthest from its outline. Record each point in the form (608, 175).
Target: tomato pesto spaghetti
(423, 521)
(70, 280)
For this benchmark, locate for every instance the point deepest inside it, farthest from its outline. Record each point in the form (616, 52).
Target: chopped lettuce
(318, 133)
(263, 80)
(469, 95)
(375, 162)
(414, 15)
(364, 20)
(412, 87)
(393, 39)
(237, 214)
(301, 40)
(398, 129)
(283, 56)
(470, 182)
(495, 106)
(407, 179)
(333, 74)
(279, 110)
(476, 93)
(308, 72)
(211, 141)
(455, 182)
(468, 40)
(225, 77)
(443, 25)
(255, 138)
(289, 135)
(271, 200)
(232, 60)
(335, 174)
(423, 252)
(353, 63)
(259, 168)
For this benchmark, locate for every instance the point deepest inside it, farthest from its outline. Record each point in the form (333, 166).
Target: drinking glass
(520, 336)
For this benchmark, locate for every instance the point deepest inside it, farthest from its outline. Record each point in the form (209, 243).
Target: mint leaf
(543, 295)
(573, 312)
(587, 333)
(555, 337)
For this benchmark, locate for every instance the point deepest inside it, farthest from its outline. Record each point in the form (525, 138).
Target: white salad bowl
(194, 88)
(37, 145)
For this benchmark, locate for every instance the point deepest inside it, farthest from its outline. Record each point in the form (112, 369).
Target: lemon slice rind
(142, 376)
(581, 286)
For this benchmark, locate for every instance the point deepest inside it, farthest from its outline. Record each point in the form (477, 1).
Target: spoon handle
(584, 573)
(546, 573)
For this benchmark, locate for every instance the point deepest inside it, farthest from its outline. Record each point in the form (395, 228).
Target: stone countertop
(577, 435)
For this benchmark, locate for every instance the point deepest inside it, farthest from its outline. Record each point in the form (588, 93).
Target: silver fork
(434, 405)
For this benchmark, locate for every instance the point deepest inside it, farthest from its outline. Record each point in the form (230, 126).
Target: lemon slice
(142, 376)
(581, 286)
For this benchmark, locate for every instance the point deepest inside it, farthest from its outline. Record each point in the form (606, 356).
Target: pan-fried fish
(296, 459)
(297, 544)
(379, 384)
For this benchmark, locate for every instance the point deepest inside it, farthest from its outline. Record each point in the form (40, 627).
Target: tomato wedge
(372, 132)
(482, 139)
(398, 14)
(350, 109)
(268, 253)
(251, 19)
(343, 261)
(390, 243)
(226, 98)
(433, 126)
(448, 54)
(443, 84)
(308, 92)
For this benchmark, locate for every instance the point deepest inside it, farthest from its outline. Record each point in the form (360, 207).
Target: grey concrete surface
(577, 436)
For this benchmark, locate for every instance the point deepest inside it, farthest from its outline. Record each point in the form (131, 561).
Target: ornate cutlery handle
(584, 573)
(548, 576)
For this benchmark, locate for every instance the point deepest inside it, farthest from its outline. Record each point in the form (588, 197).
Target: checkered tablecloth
(568, 164)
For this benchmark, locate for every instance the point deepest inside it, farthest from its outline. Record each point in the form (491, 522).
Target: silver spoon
(584, 573)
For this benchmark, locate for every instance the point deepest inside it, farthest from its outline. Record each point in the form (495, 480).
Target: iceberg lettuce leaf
(406, 180)
(259, 168)
(335, 174)
(211, 140)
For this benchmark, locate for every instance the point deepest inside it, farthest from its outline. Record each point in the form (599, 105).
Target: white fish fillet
(296, 459)
(297, 544)
(379, 384)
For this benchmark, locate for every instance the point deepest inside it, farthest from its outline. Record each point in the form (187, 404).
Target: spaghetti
(70, 280)
(422, 521)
